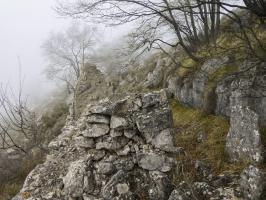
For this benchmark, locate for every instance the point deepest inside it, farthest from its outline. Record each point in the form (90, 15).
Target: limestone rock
(105, 168)
(99, 119)
(75, 178)
(110, 143)
(156, 76)
(118, 122)
(243, 141)
(164, 140)
(130, 133)
(152, 123)
(155, 162)
(253, 183)
(162, 186)
(105, 154)
(116, 133)
(96, 130)
(154, 99)
(122, 188)
(84, 142)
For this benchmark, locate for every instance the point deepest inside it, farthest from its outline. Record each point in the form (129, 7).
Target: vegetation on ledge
(203, 138)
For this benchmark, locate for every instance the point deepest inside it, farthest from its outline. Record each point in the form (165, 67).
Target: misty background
(24, 27)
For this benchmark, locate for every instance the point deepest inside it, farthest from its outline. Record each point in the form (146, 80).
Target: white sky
(24, 26)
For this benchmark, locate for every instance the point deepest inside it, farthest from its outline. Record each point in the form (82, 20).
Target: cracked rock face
(253, 183)
(243, 141)
(121, 150)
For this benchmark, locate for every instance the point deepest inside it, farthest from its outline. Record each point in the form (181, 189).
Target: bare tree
(17, 120)
(151, 16)
(189, 23)
(257, 6)
(67, 52)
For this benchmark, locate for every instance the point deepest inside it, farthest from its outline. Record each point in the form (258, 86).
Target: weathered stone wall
(116, 150)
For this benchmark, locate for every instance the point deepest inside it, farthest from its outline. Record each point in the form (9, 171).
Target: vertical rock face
(155, 77)
(253, 183)
(190, 90)
(247, 88)
(243, 141)
(116, 150)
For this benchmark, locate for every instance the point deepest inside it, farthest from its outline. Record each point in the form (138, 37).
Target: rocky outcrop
(190, 90)
(91, 86)
(243, 141)
(116, 150)
(253, 183)
(155, 77)
(245, 88)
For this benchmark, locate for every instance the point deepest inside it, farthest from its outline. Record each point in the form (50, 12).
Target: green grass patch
(189, 124)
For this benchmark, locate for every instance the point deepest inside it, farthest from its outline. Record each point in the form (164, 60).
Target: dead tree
(67, 52)
(258, 7)
(17, 120)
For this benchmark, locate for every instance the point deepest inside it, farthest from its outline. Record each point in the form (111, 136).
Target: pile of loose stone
(116, 150)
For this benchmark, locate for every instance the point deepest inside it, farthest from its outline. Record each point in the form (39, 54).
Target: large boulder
(243, 141)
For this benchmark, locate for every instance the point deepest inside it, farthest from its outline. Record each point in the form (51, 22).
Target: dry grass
(189, 124)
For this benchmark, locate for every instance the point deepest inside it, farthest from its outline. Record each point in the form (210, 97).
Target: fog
(24, 26)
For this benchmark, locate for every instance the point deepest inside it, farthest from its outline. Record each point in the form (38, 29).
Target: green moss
(189, 124)
(187, 66)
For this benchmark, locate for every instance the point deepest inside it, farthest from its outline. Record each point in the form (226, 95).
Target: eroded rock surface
(243, 141)
(116, 150)
(253, 183)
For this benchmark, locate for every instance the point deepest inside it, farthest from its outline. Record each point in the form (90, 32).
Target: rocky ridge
(120, 150)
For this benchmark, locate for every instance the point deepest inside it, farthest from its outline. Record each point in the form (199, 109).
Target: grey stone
(123, 152)
(118, 122)
(150, 124)
(122, 188)
(105, 168)
(162, 186)
(116, 133)
(155, 162)
(103, 109)
(164, 140)
(125, 163)
(253, 183)
(243, 141)
(154, 99)
(96, 130)
(98, 119)
(84, 142)
(211, 65)
(110, 189)
(155, 77)
(110, 143)
(74, 179)
(130, 133)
